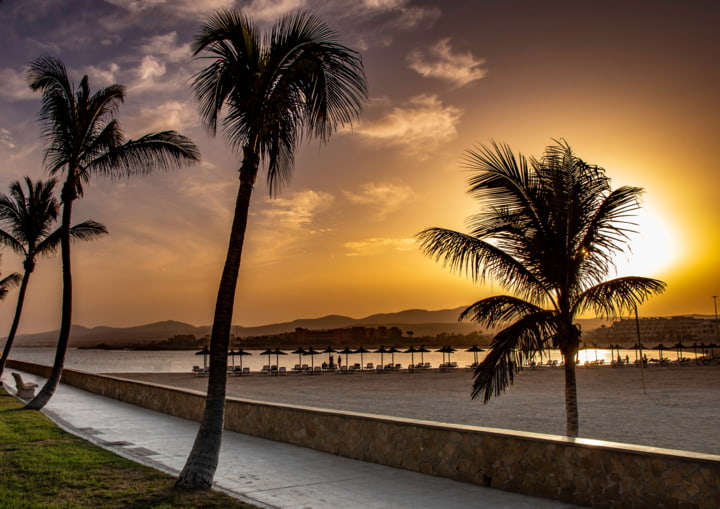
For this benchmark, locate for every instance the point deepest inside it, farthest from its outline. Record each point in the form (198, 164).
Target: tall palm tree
(295, 80)
(84, 139)
(548, 232)
(27, 217)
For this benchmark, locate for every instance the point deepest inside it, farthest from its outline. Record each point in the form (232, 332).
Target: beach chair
(297, 367)
(265, 369)
(370, 366)
(25, 390)
(273, 370)
(282, 370)
(246, 371)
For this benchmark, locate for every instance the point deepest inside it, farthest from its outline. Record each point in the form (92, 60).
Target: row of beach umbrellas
(446, 350)
(678, 347)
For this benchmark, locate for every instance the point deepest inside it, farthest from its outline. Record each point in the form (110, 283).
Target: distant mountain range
(420, 321)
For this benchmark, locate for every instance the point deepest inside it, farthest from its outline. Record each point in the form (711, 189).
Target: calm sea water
(128, 361)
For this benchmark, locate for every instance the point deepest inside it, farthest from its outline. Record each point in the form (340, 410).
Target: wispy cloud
(175, 115)
(102, 77)
(167, 45)
(385, 197)
(296, 211)
(420, 125)
(287, 226)
(270, 10)
(375, 246)
(13, 85)
(6, 139)
(439, 61)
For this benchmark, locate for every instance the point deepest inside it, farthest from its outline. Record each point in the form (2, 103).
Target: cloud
(172, 115)
(6, 139)
(420, 125)
(270, 10)
(102, 77)
(186, 7)
(287, 226)
(167, 46)
(439, 61)
(13, 85)
(375, 246)
(296, 211)
(384, 196)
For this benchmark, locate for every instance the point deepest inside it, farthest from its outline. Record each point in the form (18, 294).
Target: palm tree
(85, 139)
(548, 232)
(28, 217)
(297, 80)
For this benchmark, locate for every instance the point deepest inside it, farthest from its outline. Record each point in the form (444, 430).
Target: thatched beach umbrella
(422, 350)
(329, 350)
(678, 347)
(411, 351)
(392, 351)
(312, 353)
(278, 353)
(204, 352)
(382, 351)
(475, 349)
(347, 351)
(300, 352)
(660, 349)
(361, 351)
(268, 352)
(241, 353)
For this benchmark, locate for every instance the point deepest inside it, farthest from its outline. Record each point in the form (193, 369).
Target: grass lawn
(41, 466)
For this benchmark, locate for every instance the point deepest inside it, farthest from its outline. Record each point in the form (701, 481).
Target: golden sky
(632, 86)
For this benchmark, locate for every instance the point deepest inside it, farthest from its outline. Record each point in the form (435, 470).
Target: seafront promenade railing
(588, 472)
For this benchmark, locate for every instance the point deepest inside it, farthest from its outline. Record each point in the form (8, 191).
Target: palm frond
(495, 311)
(155, 151)
(617, 296)
(509, 350)
(9, 282)
(479, 260)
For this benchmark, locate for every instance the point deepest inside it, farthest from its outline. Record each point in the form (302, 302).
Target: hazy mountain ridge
(420, 321)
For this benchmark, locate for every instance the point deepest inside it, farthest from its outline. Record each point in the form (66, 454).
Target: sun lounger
(370, 366)
(246, 371)
(25, 390)
(282, 370)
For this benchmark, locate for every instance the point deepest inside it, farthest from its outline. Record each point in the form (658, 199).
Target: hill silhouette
(420, 321)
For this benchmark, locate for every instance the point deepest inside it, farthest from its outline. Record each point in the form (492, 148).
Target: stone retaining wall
(587, 472)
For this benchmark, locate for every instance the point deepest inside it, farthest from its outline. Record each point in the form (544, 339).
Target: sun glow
(654, 249)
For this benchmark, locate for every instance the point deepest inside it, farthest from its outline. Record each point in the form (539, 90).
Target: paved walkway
(263, 472)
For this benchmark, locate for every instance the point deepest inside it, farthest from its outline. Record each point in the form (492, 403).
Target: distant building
(668, 331)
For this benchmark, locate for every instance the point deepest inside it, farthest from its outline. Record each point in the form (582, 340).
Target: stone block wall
(581, 471)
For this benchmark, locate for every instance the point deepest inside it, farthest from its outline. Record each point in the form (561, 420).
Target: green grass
(41, 466)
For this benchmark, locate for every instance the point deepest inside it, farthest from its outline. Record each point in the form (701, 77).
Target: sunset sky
(633, 86)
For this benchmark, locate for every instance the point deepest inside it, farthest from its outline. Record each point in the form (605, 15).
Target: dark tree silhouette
(84, 139)
(548, 231)
(27, 217)
(273, 89)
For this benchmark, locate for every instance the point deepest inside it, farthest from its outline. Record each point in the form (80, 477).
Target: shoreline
(679, 411)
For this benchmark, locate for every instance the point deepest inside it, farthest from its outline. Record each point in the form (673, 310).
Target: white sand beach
(681, 409)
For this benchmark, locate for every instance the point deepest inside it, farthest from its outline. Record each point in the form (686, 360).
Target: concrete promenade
(263, 472)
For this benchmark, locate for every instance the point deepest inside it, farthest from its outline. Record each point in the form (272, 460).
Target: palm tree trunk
(571, 406)
(15, 322)
(37, 403)
(199, 469)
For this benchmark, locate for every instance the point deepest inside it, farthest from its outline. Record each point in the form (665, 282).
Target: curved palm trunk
(16, 320)
(199, 469)
(64, 337)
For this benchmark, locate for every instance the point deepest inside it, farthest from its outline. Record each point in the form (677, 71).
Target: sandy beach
(681, 409)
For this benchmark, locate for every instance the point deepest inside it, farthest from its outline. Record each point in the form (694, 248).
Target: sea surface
(178, 361)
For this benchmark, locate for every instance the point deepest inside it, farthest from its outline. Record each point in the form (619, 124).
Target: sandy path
(680, 411)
